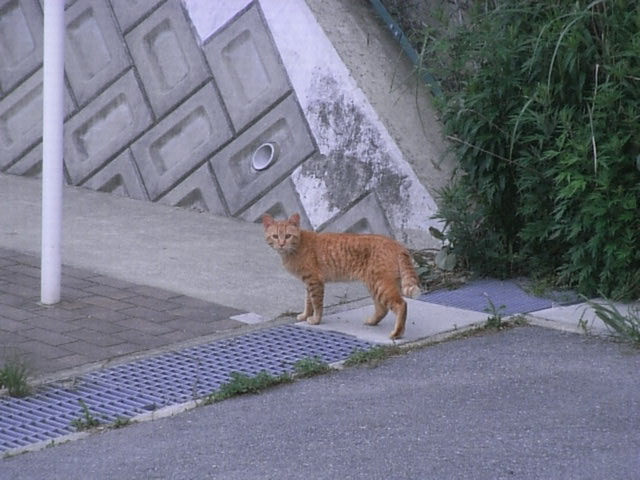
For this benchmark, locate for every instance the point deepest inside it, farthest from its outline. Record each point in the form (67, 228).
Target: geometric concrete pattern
(100, 318)
(246, 67)
(181, 141)
(23, 21)
(152, 114)
(241, 184)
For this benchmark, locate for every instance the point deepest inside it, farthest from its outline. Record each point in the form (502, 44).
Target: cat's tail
(408, 276)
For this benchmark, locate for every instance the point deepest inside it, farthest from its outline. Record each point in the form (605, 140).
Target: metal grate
(130, 389)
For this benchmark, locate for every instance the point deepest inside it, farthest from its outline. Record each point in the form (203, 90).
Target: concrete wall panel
(181, 141)
(29, 164)
(129, 12)
(366, 216)
(167, 56)
(94, 51)
(240, 182)
(104, 127)
(280, 202)
(119, 177)
(247, 67)
(20, 41)
(21, 119)
(152, 113)
(198, 192)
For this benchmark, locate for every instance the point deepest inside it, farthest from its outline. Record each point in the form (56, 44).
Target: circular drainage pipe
(264, 156)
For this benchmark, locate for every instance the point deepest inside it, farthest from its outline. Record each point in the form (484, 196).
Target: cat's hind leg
(387, 295)
(399, 307)
(379, 313)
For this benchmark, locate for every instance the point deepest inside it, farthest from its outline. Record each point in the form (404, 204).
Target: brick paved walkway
(98, 319)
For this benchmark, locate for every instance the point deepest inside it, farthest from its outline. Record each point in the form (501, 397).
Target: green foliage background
(542, 105)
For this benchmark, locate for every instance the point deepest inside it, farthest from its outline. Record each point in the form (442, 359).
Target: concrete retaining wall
(169, 102)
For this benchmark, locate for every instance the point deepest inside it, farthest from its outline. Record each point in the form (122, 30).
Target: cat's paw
(302, 317)
(396, 335)
(315, 320)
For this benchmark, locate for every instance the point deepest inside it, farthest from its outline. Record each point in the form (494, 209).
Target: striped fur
(381, 263)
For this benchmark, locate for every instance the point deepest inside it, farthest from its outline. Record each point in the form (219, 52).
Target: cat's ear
(267, 220)
(294, 220)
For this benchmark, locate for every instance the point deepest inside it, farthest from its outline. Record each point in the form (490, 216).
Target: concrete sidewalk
(139, 278)
(144, 280)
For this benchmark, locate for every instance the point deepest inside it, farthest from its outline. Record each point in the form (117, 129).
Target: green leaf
(446, 260)
(437, 234)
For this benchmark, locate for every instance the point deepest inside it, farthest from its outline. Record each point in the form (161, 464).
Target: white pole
(52, 151)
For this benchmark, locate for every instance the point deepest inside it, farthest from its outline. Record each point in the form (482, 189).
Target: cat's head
(282, 235)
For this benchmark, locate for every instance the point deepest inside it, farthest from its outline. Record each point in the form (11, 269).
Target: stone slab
(95, 53)
(366, 216)
(198, 192)
(30, 165)
(167, 57)
(20, 41)
(246, 66)
(119, 177)
(181, 141)
(423, 320)
(129, 12)
(580, 317)
(21, 119)
(104, 127)
(250, 318)
(280, 202)
(241, 183)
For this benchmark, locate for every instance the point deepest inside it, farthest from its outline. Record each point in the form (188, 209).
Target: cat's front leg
(315, 299)
(308, 309)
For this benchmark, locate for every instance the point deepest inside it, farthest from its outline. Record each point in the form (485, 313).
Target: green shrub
(542, 106)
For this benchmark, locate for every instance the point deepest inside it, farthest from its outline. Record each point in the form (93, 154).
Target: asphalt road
(524, 403)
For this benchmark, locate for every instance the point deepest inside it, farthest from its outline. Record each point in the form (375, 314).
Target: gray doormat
(476, 295)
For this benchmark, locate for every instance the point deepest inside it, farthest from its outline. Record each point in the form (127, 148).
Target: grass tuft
(309, 367)
(14, 377)
(626, 327)
(86, 420)
(372, 356)
(242, 384)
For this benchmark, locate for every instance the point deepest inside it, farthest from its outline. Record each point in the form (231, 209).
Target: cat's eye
(275, 235)
(287, 236)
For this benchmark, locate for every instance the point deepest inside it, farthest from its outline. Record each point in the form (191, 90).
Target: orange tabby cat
(381, 263)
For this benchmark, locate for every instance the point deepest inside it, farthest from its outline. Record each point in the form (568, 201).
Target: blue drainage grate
(475, 294)
(145, 385)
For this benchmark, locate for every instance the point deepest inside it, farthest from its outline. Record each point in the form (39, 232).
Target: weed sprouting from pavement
(495, 315)
(120, 422)
(86, 420)
(309, 367)
(372, 356)
(241, 384)
(14, 377)
(626, 327)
